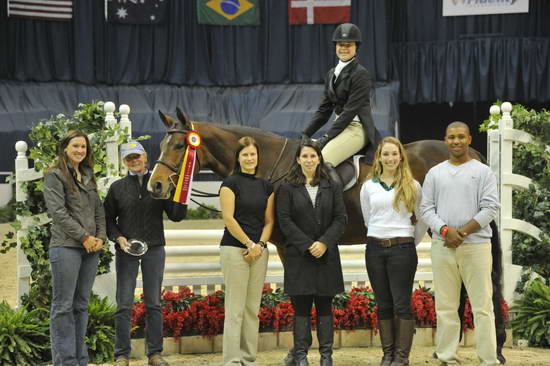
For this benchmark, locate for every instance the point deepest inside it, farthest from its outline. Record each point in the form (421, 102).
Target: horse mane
(246, 130)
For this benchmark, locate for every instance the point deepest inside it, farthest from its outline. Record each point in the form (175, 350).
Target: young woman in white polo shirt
(389, 202)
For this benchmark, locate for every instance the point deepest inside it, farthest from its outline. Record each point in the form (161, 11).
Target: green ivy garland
(532, 205)
(90, 119)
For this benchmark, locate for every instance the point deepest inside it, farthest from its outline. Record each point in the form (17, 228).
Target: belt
(389, 242)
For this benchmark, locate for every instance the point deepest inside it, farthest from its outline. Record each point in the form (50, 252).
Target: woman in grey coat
(78, 234)
(312, 217)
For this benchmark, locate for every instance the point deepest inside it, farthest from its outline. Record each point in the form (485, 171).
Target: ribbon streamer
(185, 180)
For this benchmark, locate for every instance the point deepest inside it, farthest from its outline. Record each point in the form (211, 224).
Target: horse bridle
(176, 169)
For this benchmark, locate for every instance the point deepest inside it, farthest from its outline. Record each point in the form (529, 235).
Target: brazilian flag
(229, 12)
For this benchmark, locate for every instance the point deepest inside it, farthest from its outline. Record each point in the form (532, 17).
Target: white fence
(500, 143)
(177, 273)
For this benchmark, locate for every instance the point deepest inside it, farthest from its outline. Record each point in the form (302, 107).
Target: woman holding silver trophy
(135, 224)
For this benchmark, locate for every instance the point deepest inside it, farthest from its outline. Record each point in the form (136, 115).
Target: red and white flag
(319, 11)
(41, 9)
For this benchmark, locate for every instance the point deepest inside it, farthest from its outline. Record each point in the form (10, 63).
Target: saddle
(349, 170)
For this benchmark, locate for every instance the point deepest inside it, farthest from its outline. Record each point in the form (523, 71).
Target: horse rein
(268, 178)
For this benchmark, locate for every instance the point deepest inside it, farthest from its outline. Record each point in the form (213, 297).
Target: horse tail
(496, 276)
(496, 251)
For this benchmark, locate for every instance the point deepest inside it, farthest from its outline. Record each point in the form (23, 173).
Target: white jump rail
(185, 273)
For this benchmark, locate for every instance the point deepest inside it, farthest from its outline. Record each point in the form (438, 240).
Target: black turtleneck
(251, 194)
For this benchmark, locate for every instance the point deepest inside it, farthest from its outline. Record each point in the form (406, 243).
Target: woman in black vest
(312, 217)
(347, 94)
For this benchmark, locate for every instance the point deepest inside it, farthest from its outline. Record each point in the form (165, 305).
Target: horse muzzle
(157, 190)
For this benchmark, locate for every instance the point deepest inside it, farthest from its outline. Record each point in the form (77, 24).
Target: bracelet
(262, 244)
(443, 231)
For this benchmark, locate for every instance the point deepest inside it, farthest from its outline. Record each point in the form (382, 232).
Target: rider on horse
(347, 93)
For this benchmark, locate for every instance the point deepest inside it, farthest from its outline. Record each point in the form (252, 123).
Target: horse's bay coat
(302, 224)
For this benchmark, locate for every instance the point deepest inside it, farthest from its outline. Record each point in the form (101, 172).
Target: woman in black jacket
(78, 234)
(347, 94)
(311, 215)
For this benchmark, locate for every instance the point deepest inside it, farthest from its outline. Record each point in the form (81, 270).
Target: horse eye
(180, 146)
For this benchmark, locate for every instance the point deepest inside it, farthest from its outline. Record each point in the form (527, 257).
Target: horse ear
(168, 122)
(183, 118)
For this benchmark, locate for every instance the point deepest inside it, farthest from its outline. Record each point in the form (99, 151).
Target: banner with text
(484, 7)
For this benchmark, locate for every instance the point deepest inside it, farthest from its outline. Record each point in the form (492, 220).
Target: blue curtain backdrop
(469, 58)
(283, 109)
(436, 58)
(181, 51)
(274, 70)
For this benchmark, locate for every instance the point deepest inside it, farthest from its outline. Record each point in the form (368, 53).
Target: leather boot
(403, 341)
(333, 175)
(302, 339)
(289, 359)
(325, 336)
(387, 339)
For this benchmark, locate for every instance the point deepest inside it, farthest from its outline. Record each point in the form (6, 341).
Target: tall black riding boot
(289, 358)
(325, 335)
(387, 339)
(302, 339)
(333, 175)
(403, 342)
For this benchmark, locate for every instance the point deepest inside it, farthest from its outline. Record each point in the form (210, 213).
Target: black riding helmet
(347, 32)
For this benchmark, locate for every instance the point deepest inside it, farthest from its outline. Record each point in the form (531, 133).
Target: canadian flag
(319, 11)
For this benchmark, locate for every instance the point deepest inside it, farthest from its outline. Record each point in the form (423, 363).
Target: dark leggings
(302, 304)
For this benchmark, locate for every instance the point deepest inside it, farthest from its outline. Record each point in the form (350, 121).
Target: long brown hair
(62, 161)
(295, 175)
(244, 142)
(405, 189)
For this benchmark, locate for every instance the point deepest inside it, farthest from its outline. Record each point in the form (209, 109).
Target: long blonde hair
(405, 189)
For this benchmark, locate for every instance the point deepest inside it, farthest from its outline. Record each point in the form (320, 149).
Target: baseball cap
(132, 147)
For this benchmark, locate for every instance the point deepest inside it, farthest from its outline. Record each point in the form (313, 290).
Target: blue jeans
(73, 275)
(391, 273)
(152, 272)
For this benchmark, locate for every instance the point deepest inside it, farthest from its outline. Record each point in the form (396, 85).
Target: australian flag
(136, 11)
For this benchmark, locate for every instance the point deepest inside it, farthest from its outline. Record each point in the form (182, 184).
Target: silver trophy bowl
(137, 247)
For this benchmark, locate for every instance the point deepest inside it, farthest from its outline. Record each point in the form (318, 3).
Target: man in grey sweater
(459, 200)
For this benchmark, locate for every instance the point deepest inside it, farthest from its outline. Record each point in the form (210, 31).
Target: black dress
(302, 224)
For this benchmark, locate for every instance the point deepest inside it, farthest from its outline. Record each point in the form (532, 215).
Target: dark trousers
(302, 304)
(391, 272)
(73, 275)
(152, 271)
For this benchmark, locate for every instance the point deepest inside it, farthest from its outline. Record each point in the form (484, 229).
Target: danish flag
(319, 11)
